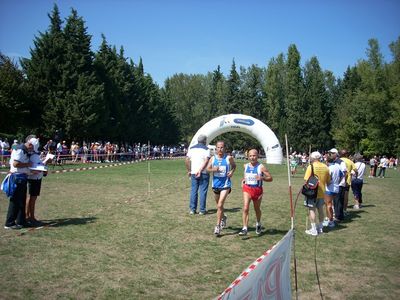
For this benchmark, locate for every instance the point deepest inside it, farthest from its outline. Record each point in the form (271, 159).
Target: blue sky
(194, 37)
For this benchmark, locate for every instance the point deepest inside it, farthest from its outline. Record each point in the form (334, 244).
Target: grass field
(113, 239)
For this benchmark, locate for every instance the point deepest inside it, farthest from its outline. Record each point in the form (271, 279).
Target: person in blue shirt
(222, 166)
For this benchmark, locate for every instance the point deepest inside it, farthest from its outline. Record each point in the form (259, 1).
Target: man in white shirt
(19, 168)
(196, 162)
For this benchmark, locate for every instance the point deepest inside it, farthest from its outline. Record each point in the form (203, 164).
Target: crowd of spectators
(98, 152)
(378, 164)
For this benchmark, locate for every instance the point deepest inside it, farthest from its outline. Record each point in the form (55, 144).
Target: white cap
(333, 150)
(315, 155)
(35, 143)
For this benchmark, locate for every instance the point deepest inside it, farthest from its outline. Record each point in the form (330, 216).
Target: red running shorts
(255, 192)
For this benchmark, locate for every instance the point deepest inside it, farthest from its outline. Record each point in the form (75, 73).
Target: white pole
(290, 183)
(291, 215)
(148, 168)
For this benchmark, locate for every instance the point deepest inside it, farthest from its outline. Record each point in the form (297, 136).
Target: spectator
(59, 149)
(383, 164)
(196, 162)
(338, 200)
(332, 187)
(372, 163)
(350, 166)
(4, 151)
(357, 181)
(14, 146)
(34, 185)
(47, 147)
(19, 167)
(322, 172)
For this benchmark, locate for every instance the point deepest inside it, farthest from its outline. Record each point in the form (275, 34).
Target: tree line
(67, 89)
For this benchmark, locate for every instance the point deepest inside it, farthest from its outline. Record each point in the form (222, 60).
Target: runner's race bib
(251, 179)
(221, 171)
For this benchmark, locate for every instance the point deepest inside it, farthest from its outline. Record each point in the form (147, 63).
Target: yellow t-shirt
(350, 166)
(322, 172)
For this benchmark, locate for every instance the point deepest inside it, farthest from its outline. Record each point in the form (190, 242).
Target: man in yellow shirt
(322, 172)
(350, 166)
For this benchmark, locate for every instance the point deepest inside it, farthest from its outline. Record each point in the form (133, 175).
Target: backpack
(310, 188)
(9, 185)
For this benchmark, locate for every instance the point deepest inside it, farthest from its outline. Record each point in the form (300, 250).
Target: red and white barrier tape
(99, 167)
(246, 272)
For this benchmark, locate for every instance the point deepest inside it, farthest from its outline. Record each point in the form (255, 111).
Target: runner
(254, 175)
(222, 166)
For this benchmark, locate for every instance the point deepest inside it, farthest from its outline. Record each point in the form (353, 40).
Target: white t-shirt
(35, 159)
(198, 154)
(360, 166)
(384, 162)
(21, 156)
(343, 168)
(336, 174)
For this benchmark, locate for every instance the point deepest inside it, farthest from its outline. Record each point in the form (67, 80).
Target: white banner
(268, 277)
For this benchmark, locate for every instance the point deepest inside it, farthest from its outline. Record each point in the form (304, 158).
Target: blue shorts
(329, 193)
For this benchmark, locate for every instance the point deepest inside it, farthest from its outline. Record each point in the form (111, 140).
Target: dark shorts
(34, 186)
(347, 188)
(218, 191)
(313, 203)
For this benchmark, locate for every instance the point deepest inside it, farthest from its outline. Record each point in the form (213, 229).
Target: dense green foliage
(66, 87)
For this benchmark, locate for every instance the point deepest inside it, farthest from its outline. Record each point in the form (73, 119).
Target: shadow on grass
(339, 226)
(251, 232)
(354, 214)
(231, 210)
(69, 221)
(363, 206)
(367, 205)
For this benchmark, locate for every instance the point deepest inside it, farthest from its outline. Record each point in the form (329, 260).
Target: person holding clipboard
(38, 169)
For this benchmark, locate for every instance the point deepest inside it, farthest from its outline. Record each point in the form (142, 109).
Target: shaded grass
(115, 240)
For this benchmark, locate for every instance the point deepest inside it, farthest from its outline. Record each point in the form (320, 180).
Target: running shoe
(223, 221)
(217, 230)
(312, 232)
(258, 229)
(15, 226)
(243, 232)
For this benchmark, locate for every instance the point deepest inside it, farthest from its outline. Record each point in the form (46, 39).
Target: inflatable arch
(246, 124)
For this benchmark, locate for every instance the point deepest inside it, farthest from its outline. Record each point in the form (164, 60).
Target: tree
(252, 101)
(274, 94)
(44, 76)
(294, 104)
(83, 102)
(393, 118)
(218, 94)
(14, 103)
(187, 96)
(233, 96)
(316, 107)
(333, 95)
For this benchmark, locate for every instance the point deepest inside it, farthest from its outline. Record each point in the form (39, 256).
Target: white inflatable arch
(246, 124)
